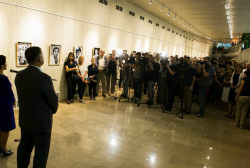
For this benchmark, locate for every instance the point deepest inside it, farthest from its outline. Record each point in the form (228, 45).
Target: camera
(131, 60)
(164, 62)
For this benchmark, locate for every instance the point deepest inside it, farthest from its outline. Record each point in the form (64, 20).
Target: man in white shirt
(102, 63)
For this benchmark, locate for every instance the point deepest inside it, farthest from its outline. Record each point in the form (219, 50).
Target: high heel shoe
(6, 154)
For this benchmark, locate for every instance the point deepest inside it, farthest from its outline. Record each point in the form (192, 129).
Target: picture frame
(78, 52)
(95, 52)
(54, 54)
(20, 53)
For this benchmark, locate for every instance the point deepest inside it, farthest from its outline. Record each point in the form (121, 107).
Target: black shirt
(92, 71)
(246, 88)
(70, 73)
(188, 76)
(172, 79)
(112, 67)
(154, 72)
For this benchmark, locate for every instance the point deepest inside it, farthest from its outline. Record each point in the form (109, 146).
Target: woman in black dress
(92, 74)
(7, 100)
(112, 73)
(235, 84)
(218, 86)
(70, 69)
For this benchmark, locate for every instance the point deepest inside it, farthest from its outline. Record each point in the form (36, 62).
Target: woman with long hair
(235, 84)
(83, 74)
(7, 100)
(70, 69)
(219, 85)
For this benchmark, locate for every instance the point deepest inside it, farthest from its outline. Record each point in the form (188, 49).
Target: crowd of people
(224, 83)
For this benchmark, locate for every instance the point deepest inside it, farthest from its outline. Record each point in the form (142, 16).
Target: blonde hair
(81, 57)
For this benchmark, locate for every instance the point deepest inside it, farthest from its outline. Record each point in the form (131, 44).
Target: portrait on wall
(125, 51)
(78, 52)
(55, 54)
(20, 53)
(95, 52)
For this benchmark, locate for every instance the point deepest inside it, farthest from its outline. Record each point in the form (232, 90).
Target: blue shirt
(188, 76)
(206, 81)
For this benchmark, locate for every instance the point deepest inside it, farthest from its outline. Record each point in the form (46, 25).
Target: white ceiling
(207, 16)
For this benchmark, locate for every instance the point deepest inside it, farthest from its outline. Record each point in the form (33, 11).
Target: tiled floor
(106, 133)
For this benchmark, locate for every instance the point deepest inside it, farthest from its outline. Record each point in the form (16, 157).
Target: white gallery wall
(90, 24)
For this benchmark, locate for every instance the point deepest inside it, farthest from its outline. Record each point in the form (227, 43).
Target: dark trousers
(145, 81)
(71, 87)
(171, 94)
(137, 88)
(120, 80)
(81, 88)
(151, 85)
(202, 94)
(92, 85)
(41, 141)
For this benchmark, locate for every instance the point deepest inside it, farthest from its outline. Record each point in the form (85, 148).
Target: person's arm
(240, 89)
(231, 80)
(50, 95)
(106, 61)
(67, 69)
(150, 64)
(135, 67)
(215, 78)
(170, 70)
(205, 74)
(6, 91)
(192, 85)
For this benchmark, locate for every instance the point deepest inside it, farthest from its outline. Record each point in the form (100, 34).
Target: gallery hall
(124, 84)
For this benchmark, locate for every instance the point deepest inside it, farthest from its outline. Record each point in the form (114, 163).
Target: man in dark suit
(37, 104)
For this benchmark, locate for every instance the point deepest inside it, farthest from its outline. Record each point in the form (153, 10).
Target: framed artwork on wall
(125, 51)
(20, 53)
(54, 54)
(95, 52)
(78, 52)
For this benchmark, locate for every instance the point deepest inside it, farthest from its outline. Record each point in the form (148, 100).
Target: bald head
(113, 52)
(102, 52)
(157, 56)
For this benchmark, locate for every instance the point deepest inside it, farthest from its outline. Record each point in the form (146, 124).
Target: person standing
(111, 73)
(92, 74)
(37, 104)
(189, 80)
(102, 63)
(243, 101)
(205, 79)
(7, 100)
(71, 69)
(83, 81)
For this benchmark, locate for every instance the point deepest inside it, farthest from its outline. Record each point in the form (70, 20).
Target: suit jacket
(37, 100)
(106, 61)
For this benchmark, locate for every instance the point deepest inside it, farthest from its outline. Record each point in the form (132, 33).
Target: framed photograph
(20, 53)
(78, 52)
(125, 51)
(95, 52)
(54, 54)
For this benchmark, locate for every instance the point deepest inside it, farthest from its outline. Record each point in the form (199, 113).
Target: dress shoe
(5, 154)
(91, 98)
(199, 116)
(104, 95)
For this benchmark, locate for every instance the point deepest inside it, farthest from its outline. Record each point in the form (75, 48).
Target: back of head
(2, 60)
(247, 73)
(32, 53)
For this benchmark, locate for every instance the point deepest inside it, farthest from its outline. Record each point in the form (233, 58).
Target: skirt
(225, 94)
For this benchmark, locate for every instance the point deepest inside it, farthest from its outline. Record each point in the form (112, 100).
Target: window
(163, 27)
(119, 8)
(172, 31)
(157, 24)
(141, 17)
(105, 2)
(150, 21)
(131, 13)
(168, 29)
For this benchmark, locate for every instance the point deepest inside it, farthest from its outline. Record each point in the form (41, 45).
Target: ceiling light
(228, 17)
(227, 6)
(231, 36)
(162, 8)
(174, 17)
(180, 20)
(188, 27)
(227, 12)
(151, 2)
(168, 12)
(229, 21)
(184, 24)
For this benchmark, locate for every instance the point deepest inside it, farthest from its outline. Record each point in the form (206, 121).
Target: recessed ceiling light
(168, 12)
(228, 17)
(180, 20)
(205, 14)
(227, 6)
(174, 17)
(151, 2)
(162, 8)
(227, 12)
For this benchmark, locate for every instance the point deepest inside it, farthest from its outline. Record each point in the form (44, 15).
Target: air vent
(173, 31)
(168, 29)
(180, 34)
(157, 24)
(131, 13)
(141, 17)
(177, 33)
(119, 8)
(104, 2)
(163, 27)
(150, 21)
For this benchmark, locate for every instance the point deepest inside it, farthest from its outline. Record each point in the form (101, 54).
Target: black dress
(232, 93)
